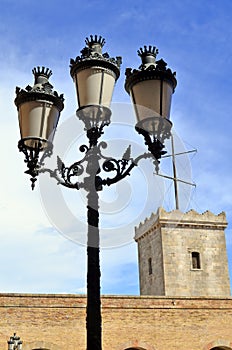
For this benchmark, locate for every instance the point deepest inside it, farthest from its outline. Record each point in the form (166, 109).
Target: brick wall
(151, 323)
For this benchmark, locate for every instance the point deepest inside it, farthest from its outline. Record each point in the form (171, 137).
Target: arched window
(135, 349)
(221, 348)
(219, 344)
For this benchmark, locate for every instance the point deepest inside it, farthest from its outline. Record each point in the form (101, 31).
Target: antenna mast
(174, 178)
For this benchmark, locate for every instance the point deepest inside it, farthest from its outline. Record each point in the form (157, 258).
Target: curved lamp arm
(122, 167)
(119, 167)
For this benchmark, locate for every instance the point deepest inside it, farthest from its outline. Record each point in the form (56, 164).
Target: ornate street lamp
(15, 343)
(39, 110)
(151, 88)
(94, 74)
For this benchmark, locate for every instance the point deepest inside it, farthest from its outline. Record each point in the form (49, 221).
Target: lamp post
(94, 74)
(15, 343)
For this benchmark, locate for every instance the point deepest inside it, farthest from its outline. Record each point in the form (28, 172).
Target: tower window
(150, 266)
(196, 263)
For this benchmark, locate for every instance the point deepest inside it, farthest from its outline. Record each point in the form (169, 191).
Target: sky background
(195, 38)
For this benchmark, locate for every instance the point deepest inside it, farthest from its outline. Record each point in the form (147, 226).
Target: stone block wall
(169, 239)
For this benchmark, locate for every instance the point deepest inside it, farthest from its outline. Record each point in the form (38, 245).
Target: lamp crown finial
(95, 40)
(148, 51)
(42, 71)
(41, 74)
(148, 55)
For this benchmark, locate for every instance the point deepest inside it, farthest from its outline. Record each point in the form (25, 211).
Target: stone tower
(183, 254)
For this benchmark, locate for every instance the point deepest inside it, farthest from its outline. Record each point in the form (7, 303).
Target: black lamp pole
(93, 311)
(94, 74)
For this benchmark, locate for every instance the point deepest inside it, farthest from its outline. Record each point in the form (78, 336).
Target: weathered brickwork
(57, 322)
(170, 240)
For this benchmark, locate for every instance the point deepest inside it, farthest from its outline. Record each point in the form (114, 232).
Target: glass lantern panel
(38, 120)
(94, 87)
(107, 89)
(148, 94)
(167, 99)
(10, 345)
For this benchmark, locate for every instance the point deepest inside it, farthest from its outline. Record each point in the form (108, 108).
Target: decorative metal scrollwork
(64, 175)
(122, 167)
(32, 155)
(96, 163)
(117, 165)
(69, 173)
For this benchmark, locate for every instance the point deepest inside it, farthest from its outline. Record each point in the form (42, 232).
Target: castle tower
(183, 254)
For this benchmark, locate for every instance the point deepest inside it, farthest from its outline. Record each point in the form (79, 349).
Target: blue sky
(195, 39)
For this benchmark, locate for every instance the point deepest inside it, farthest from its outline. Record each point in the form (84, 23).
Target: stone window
(150, 266)
(196, 263)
